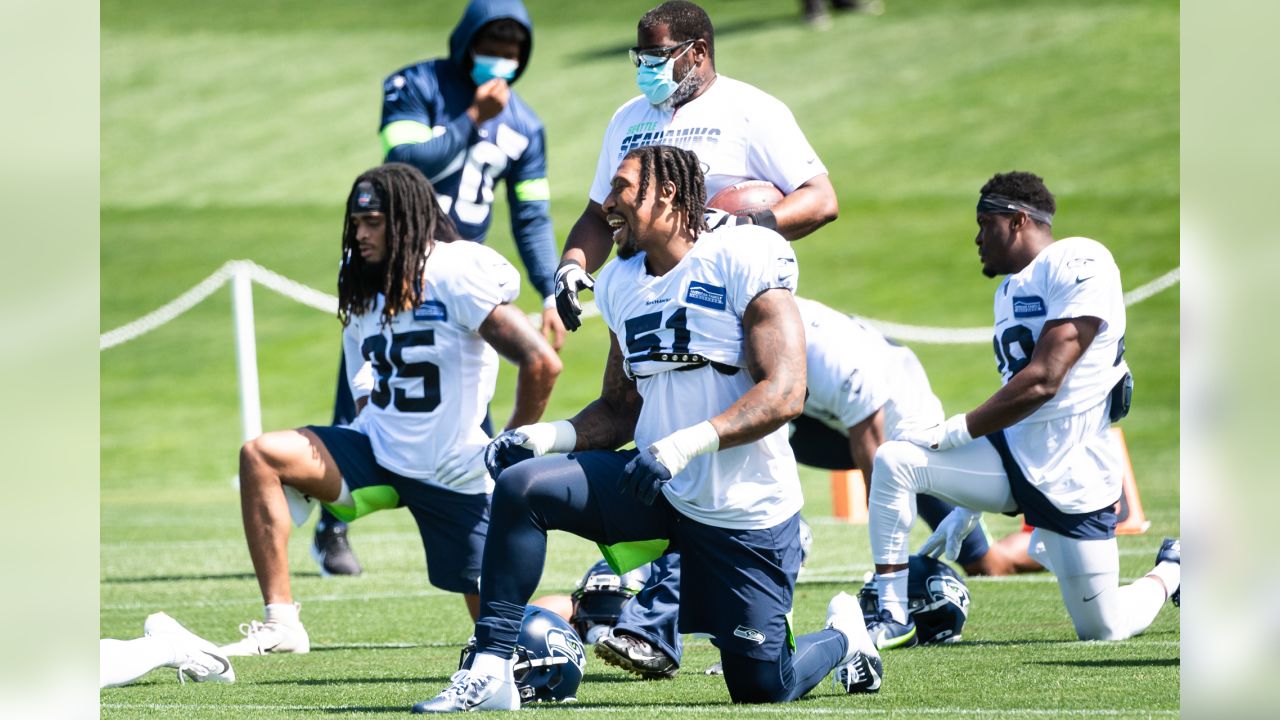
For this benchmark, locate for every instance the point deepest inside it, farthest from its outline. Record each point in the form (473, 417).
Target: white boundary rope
(325, 302)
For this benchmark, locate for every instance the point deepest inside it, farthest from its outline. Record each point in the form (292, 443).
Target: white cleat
(199, 659)
(473, 691)
(273, 637)
(861, 670)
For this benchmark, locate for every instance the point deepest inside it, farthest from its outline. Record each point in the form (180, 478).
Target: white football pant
(972, 476)
(120, 662)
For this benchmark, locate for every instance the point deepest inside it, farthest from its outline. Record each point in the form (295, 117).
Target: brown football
(746, 197)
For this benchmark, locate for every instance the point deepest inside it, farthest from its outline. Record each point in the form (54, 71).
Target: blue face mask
(658, 83)
(488, 67)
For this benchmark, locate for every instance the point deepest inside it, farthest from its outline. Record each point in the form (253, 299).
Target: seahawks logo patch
(706, 295)
(1028, 306)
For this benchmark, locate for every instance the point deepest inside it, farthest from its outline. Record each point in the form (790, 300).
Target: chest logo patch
(1028, 306)
(706, 295)
(431, 310)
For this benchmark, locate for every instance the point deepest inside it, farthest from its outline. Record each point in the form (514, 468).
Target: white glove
(951, 532)
(944, 436)
(717, 219)
(460, 466)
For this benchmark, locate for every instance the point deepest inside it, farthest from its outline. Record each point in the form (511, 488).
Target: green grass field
(233, 130)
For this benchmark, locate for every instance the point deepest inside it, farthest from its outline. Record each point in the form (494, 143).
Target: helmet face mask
(600, 595)
(937, 600)
(549, 658)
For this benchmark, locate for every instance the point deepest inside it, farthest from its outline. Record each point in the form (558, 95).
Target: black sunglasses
(654, 57)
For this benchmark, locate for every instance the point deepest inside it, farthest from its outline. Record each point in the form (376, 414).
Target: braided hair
(682, 168)
(415, 223)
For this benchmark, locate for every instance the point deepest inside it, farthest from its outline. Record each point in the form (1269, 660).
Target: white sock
(282, 613)
(491, 665)
(1170, 574)
(893, 593)
(120, 662)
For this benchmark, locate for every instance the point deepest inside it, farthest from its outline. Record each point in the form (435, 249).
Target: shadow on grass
(1115, 662)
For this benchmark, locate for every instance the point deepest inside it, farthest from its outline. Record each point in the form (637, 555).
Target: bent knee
(526, 481)
(896, 461)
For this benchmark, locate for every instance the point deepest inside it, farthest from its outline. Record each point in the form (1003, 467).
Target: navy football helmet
(600, 595)
(937, 599)
(550, 660)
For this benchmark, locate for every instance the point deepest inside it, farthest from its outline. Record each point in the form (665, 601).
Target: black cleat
(636, 655)
(332, 552)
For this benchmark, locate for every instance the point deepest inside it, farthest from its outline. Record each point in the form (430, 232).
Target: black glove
(644, 477)
(506, 450)
(570, 279)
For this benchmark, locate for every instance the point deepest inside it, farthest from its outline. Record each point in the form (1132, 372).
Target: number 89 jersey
(682, 339)
(1073, 277)
(429, 376)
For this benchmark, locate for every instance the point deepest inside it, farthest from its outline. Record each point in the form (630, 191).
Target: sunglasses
(654, 57)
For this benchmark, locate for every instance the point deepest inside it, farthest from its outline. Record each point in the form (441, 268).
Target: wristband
(765, 218)
(677, 449)
(548, 302)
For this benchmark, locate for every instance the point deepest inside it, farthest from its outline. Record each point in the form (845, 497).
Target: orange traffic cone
(849, 496)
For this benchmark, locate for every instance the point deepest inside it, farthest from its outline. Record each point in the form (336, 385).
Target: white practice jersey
(673, 330)
(429, 376)
(855, 371)
(1063, 447)
(739, 133)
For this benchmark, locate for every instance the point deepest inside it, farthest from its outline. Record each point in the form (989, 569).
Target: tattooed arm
(507, 330)
(610, 421)
(776, 360)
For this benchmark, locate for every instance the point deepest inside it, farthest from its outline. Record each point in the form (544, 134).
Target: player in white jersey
(1059, 343)
(705, 366)
(422, 319)
(737, 131)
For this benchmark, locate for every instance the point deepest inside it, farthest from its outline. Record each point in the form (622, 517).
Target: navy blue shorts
(1039, 512)
(736, 585)
(452, 525)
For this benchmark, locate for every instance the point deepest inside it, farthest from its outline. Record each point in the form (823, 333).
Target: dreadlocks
(664, 164)
(414, 224)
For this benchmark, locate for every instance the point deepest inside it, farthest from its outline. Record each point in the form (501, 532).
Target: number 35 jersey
(429, 376)
(682, 339)
(1063, 446)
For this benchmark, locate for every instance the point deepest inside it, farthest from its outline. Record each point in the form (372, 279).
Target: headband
(1002, 204)
(368, 198)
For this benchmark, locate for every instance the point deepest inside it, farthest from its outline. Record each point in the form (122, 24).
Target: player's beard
(689, 86)
(628, 248)
(373, 273)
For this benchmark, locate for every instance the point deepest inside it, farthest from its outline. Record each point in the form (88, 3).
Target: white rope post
(246, 350)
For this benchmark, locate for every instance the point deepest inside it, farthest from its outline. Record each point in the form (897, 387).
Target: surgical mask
(658, 83)
(488, 67)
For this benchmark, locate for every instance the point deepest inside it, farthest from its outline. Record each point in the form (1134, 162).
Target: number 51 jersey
(429, 376)
(682, 339)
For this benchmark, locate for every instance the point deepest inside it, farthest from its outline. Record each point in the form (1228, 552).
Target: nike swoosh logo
(226, 666)
(1082, 279)
(1095, 596)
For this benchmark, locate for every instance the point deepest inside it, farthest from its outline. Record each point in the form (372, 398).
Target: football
(746, 197)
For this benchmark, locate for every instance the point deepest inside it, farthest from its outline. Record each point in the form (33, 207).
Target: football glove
(644, 477)
(717, 219)
(459, 466)
(951, 532)
(944, 436)
(570, 280)
(528, 441)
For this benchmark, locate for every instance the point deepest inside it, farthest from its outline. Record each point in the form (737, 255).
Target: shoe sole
(318, 557)
(610, 657)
